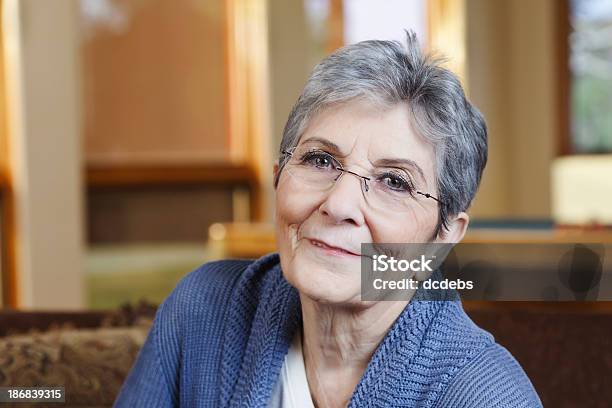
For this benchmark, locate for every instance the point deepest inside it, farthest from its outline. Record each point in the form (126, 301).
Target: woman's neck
(338, 343)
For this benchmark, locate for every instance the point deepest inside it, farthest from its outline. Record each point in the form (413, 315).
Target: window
(590, 51)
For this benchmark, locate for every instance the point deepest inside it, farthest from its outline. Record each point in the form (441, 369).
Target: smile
(331, 249)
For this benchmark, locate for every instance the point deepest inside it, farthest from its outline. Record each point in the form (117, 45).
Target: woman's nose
(344, 202)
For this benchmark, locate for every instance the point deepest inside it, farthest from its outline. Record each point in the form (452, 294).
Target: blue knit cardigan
(220, 338)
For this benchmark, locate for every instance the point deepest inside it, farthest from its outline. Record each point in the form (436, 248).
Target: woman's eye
(396, 183)
(319, 160)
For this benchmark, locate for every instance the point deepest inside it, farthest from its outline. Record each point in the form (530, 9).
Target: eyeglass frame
(364, 178)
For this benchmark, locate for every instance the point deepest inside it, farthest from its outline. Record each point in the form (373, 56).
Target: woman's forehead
(362, 128)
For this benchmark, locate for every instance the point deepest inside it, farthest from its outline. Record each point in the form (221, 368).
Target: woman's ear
(457, 227)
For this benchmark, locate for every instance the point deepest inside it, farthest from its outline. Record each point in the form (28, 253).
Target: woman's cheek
(415, 225)
(294, 204)
(292, 209)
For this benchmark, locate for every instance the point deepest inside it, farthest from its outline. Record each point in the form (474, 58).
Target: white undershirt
(291, 389)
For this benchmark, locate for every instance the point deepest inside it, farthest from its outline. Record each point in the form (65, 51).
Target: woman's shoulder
(189, 327)
(486, 374)
(215, 281)
(493, 378)
(201, 300)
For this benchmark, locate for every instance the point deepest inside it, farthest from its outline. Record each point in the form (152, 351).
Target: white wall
(42, 70)
(513, 79)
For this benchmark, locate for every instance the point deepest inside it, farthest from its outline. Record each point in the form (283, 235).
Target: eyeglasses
(383, 189)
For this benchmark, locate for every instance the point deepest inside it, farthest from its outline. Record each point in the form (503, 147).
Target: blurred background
(137, 139)
(138, 136)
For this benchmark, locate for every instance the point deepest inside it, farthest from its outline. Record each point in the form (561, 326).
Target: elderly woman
(381, 146)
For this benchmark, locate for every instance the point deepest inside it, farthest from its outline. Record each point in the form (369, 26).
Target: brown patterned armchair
(89, 353)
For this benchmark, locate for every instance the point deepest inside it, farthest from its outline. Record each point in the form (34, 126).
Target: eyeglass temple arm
(429, 196)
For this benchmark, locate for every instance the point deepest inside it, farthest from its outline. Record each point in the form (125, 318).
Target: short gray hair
(387, 73)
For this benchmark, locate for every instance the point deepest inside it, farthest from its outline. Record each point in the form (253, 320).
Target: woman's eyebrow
(401, 163)
(324, 142)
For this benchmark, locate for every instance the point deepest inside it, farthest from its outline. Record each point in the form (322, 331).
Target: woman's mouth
(329, 249)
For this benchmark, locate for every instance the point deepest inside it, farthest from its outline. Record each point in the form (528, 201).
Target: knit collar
(267, 307)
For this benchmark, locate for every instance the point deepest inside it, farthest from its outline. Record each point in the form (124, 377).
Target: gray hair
(387, 73)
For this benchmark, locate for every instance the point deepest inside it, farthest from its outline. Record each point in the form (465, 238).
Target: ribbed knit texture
(220, 338)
